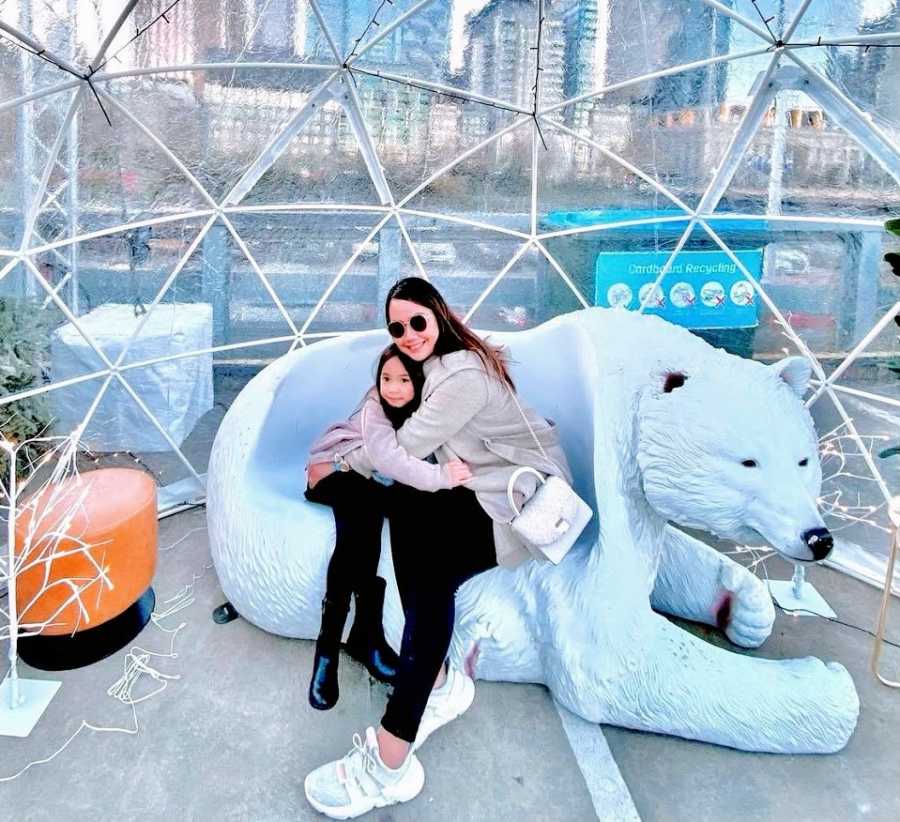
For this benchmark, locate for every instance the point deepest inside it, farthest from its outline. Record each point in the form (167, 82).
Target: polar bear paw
(744, 610)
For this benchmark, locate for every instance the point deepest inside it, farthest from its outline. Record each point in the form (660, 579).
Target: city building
(869, 76)
(421, 42)
(606, 43)
(586, 30)
(502, 58)
(252, 103)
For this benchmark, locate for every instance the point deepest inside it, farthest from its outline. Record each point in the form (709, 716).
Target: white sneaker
(451, 700)
(361, 781)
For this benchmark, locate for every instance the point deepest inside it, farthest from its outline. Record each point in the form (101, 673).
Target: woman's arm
(445, 412)
(391, 460)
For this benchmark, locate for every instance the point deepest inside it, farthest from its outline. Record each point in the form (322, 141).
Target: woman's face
(419, 345)
(395, 387)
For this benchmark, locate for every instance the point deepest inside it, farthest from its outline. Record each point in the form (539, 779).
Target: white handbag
(554, 516)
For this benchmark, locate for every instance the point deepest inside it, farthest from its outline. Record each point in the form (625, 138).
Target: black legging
(359, 509)
(438, 541)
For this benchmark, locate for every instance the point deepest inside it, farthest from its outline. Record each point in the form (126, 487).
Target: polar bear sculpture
(661, 430)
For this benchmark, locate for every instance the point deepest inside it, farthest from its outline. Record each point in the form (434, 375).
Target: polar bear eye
(749, 463)
(804, 462)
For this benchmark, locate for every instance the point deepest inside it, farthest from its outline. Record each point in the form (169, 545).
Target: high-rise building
(397, 115)
(502, 54)
(421, 42)
(869, 76)
(585, 29)
(607, 42)
(167, 44)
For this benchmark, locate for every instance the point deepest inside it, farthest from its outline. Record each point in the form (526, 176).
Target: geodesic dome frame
(85, 198)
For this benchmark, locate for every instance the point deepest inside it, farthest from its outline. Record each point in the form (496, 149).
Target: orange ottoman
(112, 511)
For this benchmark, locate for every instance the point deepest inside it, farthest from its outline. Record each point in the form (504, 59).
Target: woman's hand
(318, 471)
(459, 472)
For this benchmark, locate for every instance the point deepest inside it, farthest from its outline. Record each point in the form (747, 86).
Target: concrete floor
(675, 779)
(233, 738)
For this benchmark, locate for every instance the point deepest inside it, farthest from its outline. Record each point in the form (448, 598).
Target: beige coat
(468, 414)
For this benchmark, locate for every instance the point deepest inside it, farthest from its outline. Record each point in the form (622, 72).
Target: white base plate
(35, 695)
(810, 602)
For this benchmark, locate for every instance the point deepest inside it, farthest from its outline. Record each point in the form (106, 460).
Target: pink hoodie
(369, 434)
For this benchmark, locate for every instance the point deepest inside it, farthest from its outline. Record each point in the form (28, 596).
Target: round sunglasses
(418, 323)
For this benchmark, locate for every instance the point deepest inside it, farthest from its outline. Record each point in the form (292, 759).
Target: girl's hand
(459, 472)
(318, 471)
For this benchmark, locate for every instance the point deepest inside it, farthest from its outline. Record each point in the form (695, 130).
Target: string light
(139, 32)
(831, 503)
(778, 43)
(537, 72)
(372, 22)
(136, 668)
(49, 535)
(92, 70)
(765, 20)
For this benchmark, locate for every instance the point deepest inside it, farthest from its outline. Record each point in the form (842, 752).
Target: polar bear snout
(819, 541)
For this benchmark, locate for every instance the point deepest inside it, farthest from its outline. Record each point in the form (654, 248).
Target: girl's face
(419, 345)
(396, 387)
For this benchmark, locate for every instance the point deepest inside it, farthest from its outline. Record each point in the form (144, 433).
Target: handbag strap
(525, 468)
(512, 481)
(524, 417)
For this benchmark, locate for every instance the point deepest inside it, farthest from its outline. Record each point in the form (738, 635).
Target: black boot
(366, 642)
(323, 687)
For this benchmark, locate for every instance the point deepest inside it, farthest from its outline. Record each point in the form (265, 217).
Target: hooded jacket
(469, 414)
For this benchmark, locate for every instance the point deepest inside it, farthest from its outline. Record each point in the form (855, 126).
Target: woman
(368, 439)
(439, 540)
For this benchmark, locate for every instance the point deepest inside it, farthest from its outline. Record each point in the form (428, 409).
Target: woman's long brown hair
(452, 334)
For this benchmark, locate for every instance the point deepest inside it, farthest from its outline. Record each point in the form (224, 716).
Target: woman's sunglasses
(418, 323)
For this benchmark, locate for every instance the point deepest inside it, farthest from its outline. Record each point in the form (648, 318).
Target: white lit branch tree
(49, 571)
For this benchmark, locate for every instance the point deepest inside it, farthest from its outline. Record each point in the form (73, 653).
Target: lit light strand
(87, 76)
(49, 536)
(778, 43)
(372, 22)
(832, 502)
(538, 68)
(137, 669)
(837, 460)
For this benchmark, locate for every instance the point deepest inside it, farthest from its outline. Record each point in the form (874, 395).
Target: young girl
(369, 439)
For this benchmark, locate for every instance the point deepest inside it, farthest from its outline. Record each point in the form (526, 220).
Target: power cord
(835, 619)
(813, 613)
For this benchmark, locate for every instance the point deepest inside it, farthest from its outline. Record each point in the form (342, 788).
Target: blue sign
(701, 289)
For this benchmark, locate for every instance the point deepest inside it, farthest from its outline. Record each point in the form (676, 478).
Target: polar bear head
(731, 449)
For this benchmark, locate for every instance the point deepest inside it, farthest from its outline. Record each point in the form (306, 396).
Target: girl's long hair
(452, 334)
(398, 416)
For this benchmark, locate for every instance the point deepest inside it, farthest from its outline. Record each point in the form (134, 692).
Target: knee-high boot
(323, 686)
(366, 642)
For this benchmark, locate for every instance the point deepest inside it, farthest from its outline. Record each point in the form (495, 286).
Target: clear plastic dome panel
(257, 175)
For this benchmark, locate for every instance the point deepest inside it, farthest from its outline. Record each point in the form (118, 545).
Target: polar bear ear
(674, 379)
(795, 371)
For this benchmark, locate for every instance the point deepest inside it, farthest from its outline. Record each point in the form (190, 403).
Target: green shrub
(892, 258)
(24, 358)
